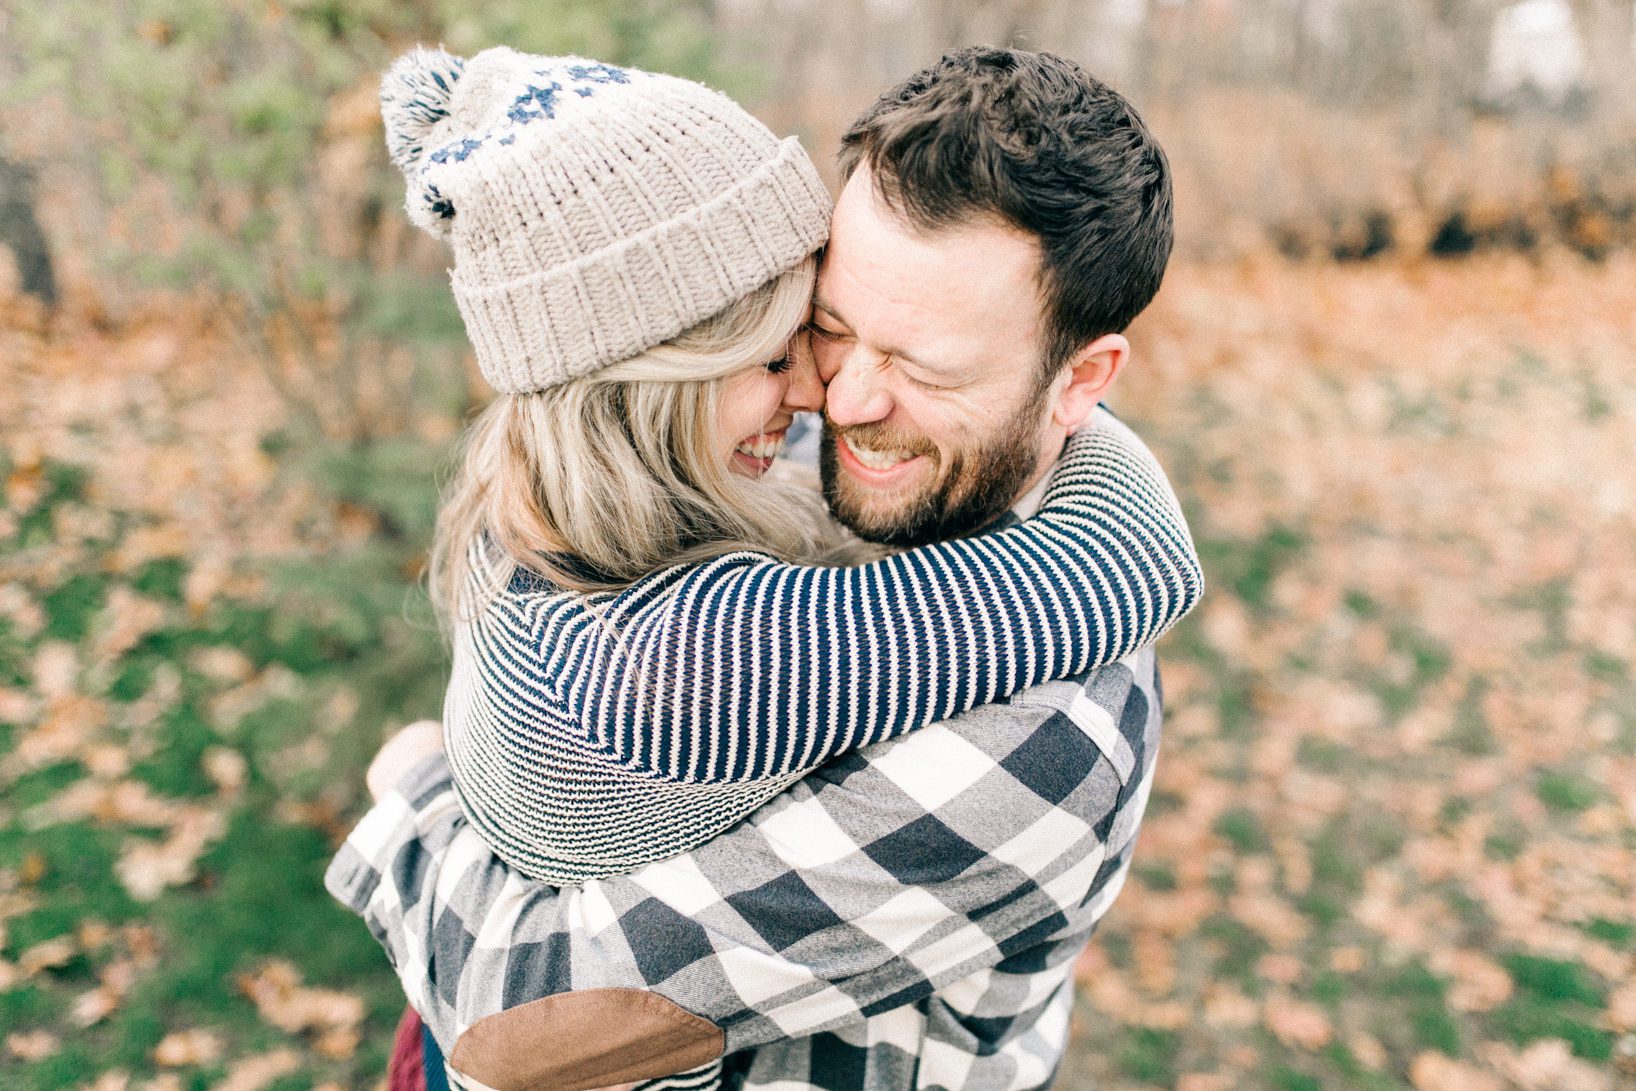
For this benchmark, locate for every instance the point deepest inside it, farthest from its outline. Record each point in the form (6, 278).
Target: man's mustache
(880, 436)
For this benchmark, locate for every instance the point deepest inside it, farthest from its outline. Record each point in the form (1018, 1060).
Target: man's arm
(870, 884)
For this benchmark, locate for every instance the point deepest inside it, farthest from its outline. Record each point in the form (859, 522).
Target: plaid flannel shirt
(907, 916)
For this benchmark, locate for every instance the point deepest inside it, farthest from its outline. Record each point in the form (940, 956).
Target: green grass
(1415, 1015)
(1242, 829)
(1149, 1055)
(1565, 791)
(1618, 933)
(174, 768)
(70, 607)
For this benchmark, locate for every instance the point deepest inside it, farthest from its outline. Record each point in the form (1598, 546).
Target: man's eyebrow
(819, 304)
(906, 357)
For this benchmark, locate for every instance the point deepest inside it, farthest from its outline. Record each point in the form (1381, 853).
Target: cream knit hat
(594, 211)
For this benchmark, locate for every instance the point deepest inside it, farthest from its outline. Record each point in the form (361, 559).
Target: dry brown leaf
(33, 1045)
(1622, 1006)
(1433, 1071)
(226, 768)
(124, 621)
(222, 664)
(254, 1073)
(1282, 968)
(93, 1007)
(180, 1048)
(1547, 1065)
(62, 733)
(107, 761)
(142, 942)
(93, 934)
(146, 868)
(47, 955)
(1271, 916)
(337, 1043)
(1346, 960)
(56, 666)
(165, 1081)
(1204, 1081)
(1225, 1006)
(1368, 1050)
(33, 869)
(282, 1000)
(96, 1005)
(1296, 1023)
(1479, 984)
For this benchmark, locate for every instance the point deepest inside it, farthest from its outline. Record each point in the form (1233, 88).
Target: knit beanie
(594, 211)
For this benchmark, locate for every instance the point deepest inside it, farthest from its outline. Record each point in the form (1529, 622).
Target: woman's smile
(755, 454)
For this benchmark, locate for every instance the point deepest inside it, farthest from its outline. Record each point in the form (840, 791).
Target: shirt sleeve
(744, 668)
(869, 885)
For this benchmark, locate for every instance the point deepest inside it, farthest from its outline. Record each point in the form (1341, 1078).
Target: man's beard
(970, 492)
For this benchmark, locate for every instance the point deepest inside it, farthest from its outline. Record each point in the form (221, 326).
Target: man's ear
(1089, 375)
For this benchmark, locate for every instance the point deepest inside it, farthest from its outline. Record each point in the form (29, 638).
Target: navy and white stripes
(589, 734)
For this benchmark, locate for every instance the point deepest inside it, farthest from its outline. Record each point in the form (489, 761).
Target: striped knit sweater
(590, 734)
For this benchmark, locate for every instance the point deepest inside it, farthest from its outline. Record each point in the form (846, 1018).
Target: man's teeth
(877, 460)
(762, 446)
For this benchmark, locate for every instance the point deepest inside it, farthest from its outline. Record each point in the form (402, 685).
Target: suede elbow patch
(585, 1039)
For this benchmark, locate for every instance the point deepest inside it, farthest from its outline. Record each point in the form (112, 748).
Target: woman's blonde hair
(599, 481)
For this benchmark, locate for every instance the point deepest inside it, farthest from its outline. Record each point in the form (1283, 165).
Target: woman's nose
(805, 391)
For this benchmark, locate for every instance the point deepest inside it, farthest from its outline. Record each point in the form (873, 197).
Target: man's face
(929, 343)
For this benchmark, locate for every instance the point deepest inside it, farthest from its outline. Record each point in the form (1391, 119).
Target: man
(907, 916)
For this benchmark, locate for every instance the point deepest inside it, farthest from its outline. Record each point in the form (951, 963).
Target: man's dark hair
(1034, 140)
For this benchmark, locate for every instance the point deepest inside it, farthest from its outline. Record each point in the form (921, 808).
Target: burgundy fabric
(405, 1069)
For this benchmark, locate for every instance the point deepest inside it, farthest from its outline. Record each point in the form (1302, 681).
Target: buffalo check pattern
(907, 916)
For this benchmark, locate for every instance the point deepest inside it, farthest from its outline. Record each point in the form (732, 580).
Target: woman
(645, 646)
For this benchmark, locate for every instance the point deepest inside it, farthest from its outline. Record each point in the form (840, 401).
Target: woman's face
(758, 404)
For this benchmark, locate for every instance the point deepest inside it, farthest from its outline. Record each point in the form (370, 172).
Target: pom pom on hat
(415, 94)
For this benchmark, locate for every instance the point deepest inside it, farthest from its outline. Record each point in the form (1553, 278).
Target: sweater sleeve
(745, 668)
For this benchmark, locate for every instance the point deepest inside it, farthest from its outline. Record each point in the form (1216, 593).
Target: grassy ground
(1391, 843)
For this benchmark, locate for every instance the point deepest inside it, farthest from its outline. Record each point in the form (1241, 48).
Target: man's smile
(877, 465)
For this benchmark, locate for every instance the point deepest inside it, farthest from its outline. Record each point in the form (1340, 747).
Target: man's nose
(857, 391)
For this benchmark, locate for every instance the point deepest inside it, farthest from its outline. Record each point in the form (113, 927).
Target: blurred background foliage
(1393, 824)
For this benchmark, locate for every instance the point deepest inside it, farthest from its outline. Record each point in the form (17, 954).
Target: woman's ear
(1089, 375)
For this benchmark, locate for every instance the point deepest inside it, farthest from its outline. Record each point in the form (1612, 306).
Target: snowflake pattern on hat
(536, 103)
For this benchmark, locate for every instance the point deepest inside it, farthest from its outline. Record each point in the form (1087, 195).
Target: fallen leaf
(1432, 1071)
(1296, 1023)
(47, 955)
(1547, 1065)
(1622, 1006)
(254, 1073)
(337, 1043)
(282, 1000)
(1204, 1081)
(188, 1047)
(1282, 968)
(1479, 984)
(1346, 960)
(1368, 1050)
(146, 868)
(226, 768)
(33, 1045)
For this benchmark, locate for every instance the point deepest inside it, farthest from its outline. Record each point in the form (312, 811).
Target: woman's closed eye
(779, 365)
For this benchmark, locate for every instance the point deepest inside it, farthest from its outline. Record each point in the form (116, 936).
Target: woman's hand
(402, 752)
